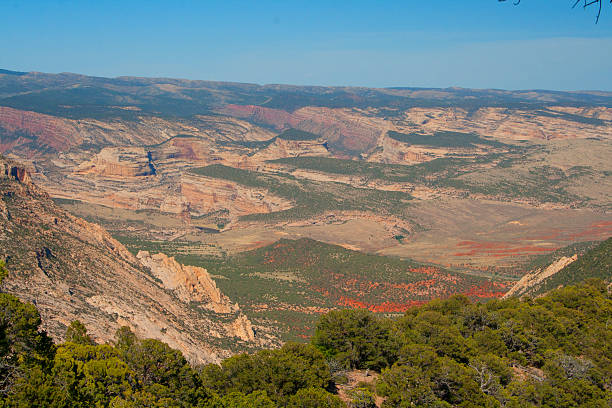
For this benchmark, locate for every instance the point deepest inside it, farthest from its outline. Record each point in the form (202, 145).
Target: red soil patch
(498, 249)
(385, 307)
(600, 230)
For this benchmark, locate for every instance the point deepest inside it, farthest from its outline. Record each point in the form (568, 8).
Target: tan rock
(532, 280)
(190, 283)
(242, 328)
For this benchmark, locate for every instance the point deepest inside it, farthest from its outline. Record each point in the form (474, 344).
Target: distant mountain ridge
(78, 96)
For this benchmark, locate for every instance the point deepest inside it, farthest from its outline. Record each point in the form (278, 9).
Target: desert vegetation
(548, 352)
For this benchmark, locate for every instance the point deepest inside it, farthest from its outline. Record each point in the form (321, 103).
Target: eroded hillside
(475, 182)
(71, 269)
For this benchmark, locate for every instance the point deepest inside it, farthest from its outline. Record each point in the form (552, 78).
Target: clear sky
(540, 44)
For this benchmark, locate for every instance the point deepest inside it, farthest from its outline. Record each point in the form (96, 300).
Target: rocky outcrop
(14, 171)
(119, 162)
(190, 283)
(242, 328)
(72, 269)
(194, 284)
(281, 148)
(207, 194)
(532, 281)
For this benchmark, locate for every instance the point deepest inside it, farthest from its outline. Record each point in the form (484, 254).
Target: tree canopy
(552, 351)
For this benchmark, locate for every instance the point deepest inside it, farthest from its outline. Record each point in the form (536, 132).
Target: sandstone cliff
(190, 283)
(28, 134)
(532, 281)
(71, 269)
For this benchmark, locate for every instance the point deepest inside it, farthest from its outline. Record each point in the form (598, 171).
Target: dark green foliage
(595, 263)
(445, 139)
(3, 271)
(89, 375)
(256, 399)
(23, 347)
(554, 351)
(296, 134)
(281, 373)
(314, 398)
(461, 354)
(571, 117)
(356, 338)
(160, 370)
(361, 398)
(407, 385)
(456, 353)
(77, 333)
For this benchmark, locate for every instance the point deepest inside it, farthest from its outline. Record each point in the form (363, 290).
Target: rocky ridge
(72, 269)
(534, 279)
(190, 283)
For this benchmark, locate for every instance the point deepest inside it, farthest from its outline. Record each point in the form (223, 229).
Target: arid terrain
(429, 192)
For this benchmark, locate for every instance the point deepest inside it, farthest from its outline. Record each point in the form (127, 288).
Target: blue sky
(541, 44)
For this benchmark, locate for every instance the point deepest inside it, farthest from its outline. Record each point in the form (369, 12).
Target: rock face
(13, 171)
(190, 283)
(242, 328)
(119, 162)
(22, 128)
(345, 129)
(393, 151)
(360, 131)
(504, 123)
(30, 134)
(533, 280)
(290, 148)
(71, 269)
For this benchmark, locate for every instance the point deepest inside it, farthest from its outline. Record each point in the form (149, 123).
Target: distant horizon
(485, 44)
(398, 87)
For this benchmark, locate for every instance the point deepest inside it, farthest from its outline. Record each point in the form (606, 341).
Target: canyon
(189, 176)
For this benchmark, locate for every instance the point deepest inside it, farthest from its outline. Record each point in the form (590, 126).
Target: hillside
(594, 263)
(286, 286)
(550, 352)
(71, 269)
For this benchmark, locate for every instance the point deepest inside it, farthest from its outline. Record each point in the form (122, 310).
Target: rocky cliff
(71, 269)
(533, 280)
(190, 283)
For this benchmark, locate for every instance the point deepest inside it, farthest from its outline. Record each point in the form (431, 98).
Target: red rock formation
(46, 130)
(15, 172)
(343, 128)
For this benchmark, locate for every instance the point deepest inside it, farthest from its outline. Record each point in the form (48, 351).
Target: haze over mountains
(422, 192)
